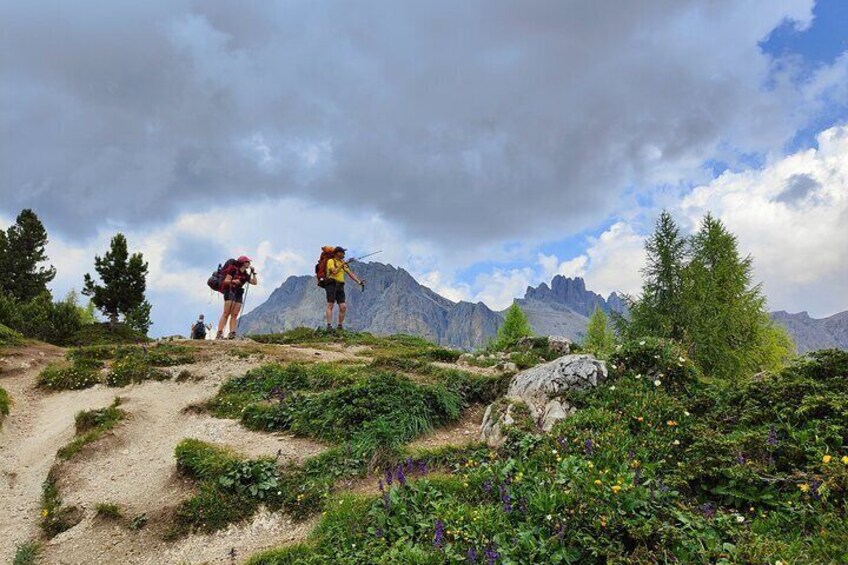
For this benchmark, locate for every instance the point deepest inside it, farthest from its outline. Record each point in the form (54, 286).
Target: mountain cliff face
(393, 302)
(811, 333)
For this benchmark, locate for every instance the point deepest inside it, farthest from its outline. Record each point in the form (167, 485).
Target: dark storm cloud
(474, 119)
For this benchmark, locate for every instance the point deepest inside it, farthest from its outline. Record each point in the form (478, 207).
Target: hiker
(334, 285)
(198, 329)
(235, 276)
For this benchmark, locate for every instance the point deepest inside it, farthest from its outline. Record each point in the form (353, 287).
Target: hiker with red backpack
(231, 279)
(331, 271)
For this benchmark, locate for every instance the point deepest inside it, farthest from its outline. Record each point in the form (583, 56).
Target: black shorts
(235, 295)
(335, 292)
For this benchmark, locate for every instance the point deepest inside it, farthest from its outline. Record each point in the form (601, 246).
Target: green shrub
(133, 369)
(9, 337)
(27, 553)
(106, 334)
(202, 460)
(5, 403)
(210, 510)
(109, 511)
(82, 373)
(655, 359)
(90, 426)
(41, 318)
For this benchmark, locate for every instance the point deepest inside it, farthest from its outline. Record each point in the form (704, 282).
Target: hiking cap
(244, 259)
(200, 317)
(339, 250)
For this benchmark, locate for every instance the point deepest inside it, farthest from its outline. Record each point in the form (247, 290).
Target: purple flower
(707, 509)
(814, 489)
(410, 466)
(379, 533)
(492, 555)
(506, 499)
(740, 459)
(561, 441)
(522, 505)
(631, 455)
(439, 538)
(422, 467)
(471, 556)
(772, 437)
(387, 501)
(589, 447)
(381, 486)
(401, 477)
(389, 477)
(487, 485)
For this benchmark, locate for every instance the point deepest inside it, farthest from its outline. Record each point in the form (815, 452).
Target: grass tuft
(90, 426)
(27, 553)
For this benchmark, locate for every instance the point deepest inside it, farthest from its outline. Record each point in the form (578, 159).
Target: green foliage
(133, 369)
(82, 373)
(514, 327)
(109, 511)
(600, 339)
(124, 281)
(138, 522)
(202, 460)
(21, 256)
(102, 334)
(399, 345)
(657, 465)
(90, 426)
(700, 292)
(5, 403)
(9, 337)
(257, 479)
(27, 553)
(41, 318)
(55, 517)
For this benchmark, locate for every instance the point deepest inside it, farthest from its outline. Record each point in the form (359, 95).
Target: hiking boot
(340, 328)
(329, 328)
(232, 335)
(220, 335)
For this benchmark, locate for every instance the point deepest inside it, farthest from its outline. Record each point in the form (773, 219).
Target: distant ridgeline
(394, 302)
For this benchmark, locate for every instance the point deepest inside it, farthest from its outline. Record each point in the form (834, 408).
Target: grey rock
(559, 344)
(543, 389)
(810, 333)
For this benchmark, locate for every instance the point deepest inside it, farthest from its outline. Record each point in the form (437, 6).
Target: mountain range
(394, 302)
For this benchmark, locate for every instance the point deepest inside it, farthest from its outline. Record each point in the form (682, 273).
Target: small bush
(90, 426)
(27, 553)
(82, 373)
(655, 359)
(202, 460)
(138, 522)
(106, 334)
(133, 369)
(9, 337)
(109, 511)
(5, 403)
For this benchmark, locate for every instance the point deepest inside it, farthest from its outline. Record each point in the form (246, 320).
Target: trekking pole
(365, 256)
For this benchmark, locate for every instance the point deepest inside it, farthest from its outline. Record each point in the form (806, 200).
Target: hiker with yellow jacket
(334, 286)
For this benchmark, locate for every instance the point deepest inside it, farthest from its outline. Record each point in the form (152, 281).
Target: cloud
(466, 122)
(792, 216)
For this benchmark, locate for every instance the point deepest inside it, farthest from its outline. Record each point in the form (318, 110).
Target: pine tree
(124, 282)
(728, 324)
(22, 256)
(514, 327)
(660, 310)
(600, 338)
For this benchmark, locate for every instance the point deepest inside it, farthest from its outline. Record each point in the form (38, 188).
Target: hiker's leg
(342, 312)
(329, 313)
(234, 317)
(228, 306)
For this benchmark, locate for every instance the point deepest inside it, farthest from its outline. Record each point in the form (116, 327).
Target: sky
(483, 146)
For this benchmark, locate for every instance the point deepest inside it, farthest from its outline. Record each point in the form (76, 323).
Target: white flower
(740, 519)
(681, 359)
(639, 376)
(657, 382)
(549, 517)
(642, 342)
(612, 387)
(686, 413)
(676, 442)
(613, 366)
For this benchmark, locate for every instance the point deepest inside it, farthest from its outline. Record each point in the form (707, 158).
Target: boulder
(543, 389)
(559, 344)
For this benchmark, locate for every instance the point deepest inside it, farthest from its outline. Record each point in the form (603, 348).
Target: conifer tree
(600, 338)
(123, 278)
(514, 327)
(22, 257)
(660, 310)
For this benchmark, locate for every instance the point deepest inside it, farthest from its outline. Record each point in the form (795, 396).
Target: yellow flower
(45, 512)
(804, 487)
(826, 459)
(598, 482)
(845, 459)
(671, 423)
(615, 488)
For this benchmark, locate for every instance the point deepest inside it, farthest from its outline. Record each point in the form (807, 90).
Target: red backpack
(327, 252)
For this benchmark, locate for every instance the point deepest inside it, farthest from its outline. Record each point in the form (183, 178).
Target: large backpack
(217, 279)
(321, 267)
(198, 331)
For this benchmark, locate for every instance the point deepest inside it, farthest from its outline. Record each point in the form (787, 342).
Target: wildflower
(380, 485)
(612, 387)
(615, 488)
(639, 376)
(826, 459)
(804, 487)
(471, 556)
(589, 447)
(487, 485)
(676, 442)
(522, 505)
(439, 538)
(657, 382)
(613, 366)
(45, 513)
(378, 533)
(422, 467)
(642, 342)
(740, 519)
(506, 499)
(389, 477)
(387, 503)
(401, 477)
(410, 466)
(549, 517)
(686, 413)
(845, 459)
(598, 482)
(740, 459)
(772, 437)
(640, 419)
(671, 423)
(707, 509)
(492, 555)
(681, 359)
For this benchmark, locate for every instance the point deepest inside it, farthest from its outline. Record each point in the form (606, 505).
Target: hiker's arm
(356, 279)
(253, 279)
(337, 266)
(228, 281)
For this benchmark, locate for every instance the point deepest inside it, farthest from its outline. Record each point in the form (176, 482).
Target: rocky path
(132, 467)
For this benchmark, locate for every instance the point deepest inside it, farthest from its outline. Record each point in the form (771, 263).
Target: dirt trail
(133, 466)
